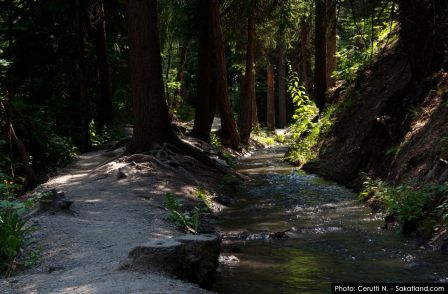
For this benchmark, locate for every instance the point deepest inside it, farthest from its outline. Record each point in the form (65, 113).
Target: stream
(330, 236)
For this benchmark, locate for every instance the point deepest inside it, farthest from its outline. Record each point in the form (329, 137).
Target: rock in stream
(190, 257)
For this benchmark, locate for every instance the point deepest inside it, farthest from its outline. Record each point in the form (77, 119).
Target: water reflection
(331, 237)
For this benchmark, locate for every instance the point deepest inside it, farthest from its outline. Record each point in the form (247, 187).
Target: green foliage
(349, 62)
(203, 199)
(307, 130)
(359, 50)
(305, 110)
(32, 258)
(13, 236)
(98, 136)
(267, 138)
(185, 112)
(279, 138)
(42, 133)
(307, 146)
(229, 158)
(186, 220)
(409, 202)
(195, 219)
(215, 141)
(9, 188)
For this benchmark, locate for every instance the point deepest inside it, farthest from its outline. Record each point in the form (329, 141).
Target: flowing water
(331, 237)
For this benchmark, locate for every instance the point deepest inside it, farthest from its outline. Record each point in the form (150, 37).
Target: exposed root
(179, 157)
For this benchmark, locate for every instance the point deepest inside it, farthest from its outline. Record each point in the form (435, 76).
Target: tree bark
(167, 73)
(105, 109)
(254, 105)
(228, 125)
(180, 92)
(281, 85)
(206, 103)
(305, 51)
(246, 101)
(81, 73)
(294, 58)
(270, 98)
(152, 123)
(320, 73)
(331, 41)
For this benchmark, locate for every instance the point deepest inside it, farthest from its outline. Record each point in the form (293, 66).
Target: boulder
(189, 257)
(54, 202)
(159, 255)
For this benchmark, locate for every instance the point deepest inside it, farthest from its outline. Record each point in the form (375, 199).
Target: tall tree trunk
(331, 41)
(246, 101)
(320, 72)
(270, 98)
(180, 91)
(305, 51)
(81, 71)
(254, 106)
(281, 85)
(294, 57)
(152, 123)
(241, 59)
(167, 72)
(228, 124)
(105, 109)
(206, 102)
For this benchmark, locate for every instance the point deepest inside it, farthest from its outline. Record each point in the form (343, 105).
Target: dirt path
(83, 253)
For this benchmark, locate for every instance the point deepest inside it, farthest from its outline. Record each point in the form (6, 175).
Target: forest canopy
(74, 72)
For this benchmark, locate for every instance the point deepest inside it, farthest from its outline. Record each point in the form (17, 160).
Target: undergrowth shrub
(215, 141)
(308, 128)
(409, 203)
(14, 233)
(189, 220)
(264, 137)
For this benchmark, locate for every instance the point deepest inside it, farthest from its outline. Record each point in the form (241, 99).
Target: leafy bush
(215, 141)
(280, 138)
(359, 53)
(203, 199)
(409, 202)
(307, 135)
(305, 110)
(185, 220)
(229, 158)
(13, 236)
(265, 137)
(8, 187)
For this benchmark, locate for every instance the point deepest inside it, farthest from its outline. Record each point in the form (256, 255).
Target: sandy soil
(82, 253)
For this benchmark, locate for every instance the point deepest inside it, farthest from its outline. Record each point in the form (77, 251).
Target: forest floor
(82, 252)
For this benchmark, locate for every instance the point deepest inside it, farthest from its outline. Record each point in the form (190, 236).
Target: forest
(231, 138)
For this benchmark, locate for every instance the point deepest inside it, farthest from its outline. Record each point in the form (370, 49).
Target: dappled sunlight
(69, 178)
(302, 227)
